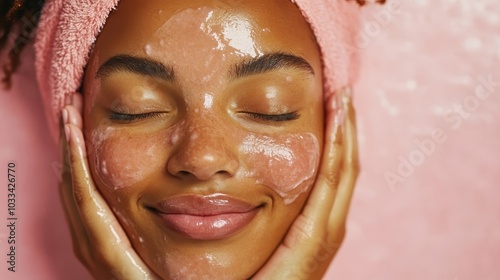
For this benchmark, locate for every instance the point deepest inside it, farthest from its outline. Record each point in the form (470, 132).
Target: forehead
(250, 27)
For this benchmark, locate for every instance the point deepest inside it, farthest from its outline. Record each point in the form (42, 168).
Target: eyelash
(276, 118)
(270, 118)
(131, 117)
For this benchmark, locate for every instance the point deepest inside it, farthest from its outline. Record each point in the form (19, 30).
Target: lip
(208, 217)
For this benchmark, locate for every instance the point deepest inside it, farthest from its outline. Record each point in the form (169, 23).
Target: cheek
(121, 161)
(287, 163)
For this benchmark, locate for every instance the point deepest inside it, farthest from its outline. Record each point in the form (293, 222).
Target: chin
(230, 258)
(238, 255)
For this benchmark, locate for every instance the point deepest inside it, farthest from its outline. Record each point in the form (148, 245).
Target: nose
(203, 152)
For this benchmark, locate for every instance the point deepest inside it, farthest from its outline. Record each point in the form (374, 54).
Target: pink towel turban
(68, 30)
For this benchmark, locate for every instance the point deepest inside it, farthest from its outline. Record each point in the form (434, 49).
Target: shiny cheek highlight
(121, 161)
(287, 164)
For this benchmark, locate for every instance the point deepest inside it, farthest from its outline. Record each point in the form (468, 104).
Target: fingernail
(65, 115)
(335, 105)
(346, 97)
(346, 102)
(72, 118)
(67, 132)
(340, 116)
(338, 122)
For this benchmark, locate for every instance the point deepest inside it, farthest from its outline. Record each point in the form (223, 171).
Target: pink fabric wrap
(68, 30)
(66, 33)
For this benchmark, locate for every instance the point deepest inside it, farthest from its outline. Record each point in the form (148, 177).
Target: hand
(99, 241)
(311, 243)
(316, 234)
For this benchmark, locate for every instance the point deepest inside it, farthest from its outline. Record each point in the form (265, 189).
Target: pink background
(421, 68)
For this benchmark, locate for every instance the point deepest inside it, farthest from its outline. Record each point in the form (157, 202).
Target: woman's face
(204, 122)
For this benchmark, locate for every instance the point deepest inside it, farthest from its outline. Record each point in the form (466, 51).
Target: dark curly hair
(18, 21)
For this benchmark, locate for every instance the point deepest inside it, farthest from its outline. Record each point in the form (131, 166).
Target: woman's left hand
(316, 234)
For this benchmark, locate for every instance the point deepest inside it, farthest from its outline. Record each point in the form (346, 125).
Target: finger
(77, 101)
(79, 237)
(350, 161)
(73, 116)
(104, 230)
(317, 208)
(77, 230)
(66, 186)
(350, 168)
(89, 202)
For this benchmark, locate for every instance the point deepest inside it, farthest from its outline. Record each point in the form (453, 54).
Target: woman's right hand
(99, 241)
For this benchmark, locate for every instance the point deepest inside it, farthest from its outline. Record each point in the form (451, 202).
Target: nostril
(202, 174)
(223, 172)
(202, 162)
(184, 173)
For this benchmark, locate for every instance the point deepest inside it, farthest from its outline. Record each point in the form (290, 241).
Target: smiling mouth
(210, 217)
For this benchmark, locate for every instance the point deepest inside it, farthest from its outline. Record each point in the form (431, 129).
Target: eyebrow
(148, 67)
(271, 62)
(136, 65)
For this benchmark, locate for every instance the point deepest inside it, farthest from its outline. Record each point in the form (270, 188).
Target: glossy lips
(205, 217)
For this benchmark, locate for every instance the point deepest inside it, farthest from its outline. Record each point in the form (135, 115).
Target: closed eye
(275, 118)
(132, 117)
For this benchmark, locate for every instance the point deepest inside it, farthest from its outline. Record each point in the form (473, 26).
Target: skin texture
(204, 137)
(113, 232)
(312, 241)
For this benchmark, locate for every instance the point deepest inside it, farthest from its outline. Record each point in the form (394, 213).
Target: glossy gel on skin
(286, 164)
(207, 139)
(116, 164)
(215, 38)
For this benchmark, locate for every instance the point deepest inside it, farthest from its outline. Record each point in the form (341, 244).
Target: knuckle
(74, 161)
(79, 196)
(304, 230)
(332, 179)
